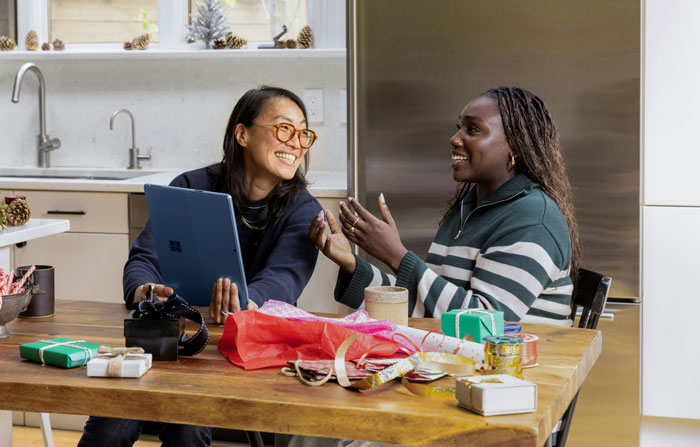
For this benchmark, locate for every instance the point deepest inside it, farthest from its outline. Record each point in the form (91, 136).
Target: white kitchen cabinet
(89, 259)
(670, 304)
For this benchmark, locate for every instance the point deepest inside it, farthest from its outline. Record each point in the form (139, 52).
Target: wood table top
(208, 390)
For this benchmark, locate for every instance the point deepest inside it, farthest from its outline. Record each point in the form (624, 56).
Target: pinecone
(291, 43)
(141, 42)
(7, 43)
(305, 38)
(219, 44)
(128, 46)
(235, 42)
(3, 217)
(45, 46)
(58, 45)
(281, 44)
(18, 212)
(32, 41)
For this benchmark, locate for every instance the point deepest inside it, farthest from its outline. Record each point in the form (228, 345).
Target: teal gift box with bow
(477, 323)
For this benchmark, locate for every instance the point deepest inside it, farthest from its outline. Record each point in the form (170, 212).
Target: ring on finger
(352, 229)
(356, 220)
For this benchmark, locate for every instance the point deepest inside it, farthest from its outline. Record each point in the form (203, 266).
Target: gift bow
(474, 311)
(116, 358)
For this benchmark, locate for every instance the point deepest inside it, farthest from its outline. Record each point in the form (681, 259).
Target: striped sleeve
(524, 274)
(349, 289)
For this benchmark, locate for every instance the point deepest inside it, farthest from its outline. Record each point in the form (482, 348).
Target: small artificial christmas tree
(209, 24)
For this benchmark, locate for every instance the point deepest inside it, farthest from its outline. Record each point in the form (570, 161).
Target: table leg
(45, 424)
(5, 428)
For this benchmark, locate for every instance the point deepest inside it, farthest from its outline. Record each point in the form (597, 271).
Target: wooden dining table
(208, 390)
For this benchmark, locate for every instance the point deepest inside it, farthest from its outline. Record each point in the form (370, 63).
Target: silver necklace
(250, 225)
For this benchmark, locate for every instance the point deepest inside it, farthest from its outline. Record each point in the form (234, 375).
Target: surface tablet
(196, 240)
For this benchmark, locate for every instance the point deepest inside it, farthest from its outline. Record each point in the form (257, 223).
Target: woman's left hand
(224, 300)
(378, 237)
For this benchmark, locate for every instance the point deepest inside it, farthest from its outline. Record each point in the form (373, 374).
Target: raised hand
(378, 237)
(224, 300)
(334, 246)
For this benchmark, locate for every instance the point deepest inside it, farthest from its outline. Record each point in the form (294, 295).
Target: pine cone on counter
(291, 43)
(281, 44)
(235, 42)
(141, 42)
(3, 217)
(58, 45)
(219, 44)
(7, 43)
(18, 212)
(45, 46)
(128, 46)
(32, 41)
(305, 38)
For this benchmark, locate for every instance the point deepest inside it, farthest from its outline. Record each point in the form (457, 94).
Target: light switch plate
(313, 99)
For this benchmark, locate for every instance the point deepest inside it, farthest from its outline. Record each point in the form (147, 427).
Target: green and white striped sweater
(512, 253)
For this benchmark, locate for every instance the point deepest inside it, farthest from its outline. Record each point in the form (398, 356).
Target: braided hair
(230, 173)
(533, 138)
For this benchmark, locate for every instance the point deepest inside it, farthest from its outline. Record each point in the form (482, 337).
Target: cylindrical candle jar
(387, 303)
(42, 305)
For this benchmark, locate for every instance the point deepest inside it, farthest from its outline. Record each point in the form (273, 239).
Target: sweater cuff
(405, 274)
(350, 289)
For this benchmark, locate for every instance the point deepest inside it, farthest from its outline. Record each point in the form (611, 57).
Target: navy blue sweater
(278, 261)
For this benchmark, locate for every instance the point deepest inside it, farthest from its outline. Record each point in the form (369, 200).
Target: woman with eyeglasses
(508, 239)
(266, 142)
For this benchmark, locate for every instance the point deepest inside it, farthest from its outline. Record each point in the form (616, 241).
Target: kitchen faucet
(45, 144)
(134, 156)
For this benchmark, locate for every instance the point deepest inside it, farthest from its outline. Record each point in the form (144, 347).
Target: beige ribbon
(471, 381)
(116, 358)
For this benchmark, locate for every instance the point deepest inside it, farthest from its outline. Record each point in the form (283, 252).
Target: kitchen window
(7, 19)
(102, 21)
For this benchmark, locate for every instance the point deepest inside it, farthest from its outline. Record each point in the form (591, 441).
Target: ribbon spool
(503, 354)
(528, 350)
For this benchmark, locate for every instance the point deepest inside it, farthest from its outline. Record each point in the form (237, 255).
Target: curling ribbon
(503, 355)
(528, 350)
(440, 361)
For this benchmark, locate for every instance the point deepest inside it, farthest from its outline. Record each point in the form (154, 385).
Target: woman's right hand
(159, 290)
(335, 246)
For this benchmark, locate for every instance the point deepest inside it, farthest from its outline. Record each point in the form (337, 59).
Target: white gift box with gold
(496, 394)
(119, 362)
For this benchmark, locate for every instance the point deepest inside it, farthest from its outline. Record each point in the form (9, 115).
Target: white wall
(181, 107)
(670, 209)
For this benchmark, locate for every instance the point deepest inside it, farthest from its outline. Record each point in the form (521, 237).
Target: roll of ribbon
(528, 351)
(511, 328)
(502, 345)
(503, 354)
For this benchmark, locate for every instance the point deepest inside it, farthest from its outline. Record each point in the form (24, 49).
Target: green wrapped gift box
(62, 352)
(477, 323)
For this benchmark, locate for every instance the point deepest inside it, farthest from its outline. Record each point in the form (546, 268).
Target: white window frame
(325, 17)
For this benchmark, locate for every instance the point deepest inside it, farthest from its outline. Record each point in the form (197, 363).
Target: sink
(74, 173)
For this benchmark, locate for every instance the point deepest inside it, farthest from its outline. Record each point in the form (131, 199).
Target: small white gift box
(496, 394)
(132, 365)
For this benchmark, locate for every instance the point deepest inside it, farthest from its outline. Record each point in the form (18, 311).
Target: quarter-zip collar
(519, 185)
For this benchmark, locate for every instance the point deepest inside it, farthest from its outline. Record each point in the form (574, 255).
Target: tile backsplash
(180, 106)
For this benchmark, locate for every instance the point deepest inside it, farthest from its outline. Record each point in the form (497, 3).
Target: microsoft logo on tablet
(175, 246)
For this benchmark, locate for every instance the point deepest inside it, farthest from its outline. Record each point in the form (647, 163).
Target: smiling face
(480, 151)
(267, 159)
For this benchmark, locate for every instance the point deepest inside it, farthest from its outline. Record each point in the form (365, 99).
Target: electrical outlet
(343, 106)
(313, 99)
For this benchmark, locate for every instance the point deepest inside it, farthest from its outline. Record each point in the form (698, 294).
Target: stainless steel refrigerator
(413, 65)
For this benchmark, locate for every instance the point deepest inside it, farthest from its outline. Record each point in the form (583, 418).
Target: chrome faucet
(45, 144)
(134, 156)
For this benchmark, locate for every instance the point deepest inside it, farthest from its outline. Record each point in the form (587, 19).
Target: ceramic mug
(42, 305)
(387, 303)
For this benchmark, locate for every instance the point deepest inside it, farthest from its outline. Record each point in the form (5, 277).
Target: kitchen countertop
(33, 229)
(324, 184)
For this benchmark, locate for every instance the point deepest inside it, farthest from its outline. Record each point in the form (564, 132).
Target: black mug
(42, 304)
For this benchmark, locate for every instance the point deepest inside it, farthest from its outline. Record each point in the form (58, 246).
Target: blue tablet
(196, 241)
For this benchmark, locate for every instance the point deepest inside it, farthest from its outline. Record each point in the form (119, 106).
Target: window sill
(185, 53)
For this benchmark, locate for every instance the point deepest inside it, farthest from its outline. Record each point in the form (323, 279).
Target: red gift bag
(254, 340)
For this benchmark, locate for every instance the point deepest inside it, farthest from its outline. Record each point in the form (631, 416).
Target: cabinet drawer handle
(79, 213)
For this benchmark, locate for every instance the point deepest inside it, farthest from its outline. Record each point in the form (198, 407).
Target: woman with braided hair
(508, 240)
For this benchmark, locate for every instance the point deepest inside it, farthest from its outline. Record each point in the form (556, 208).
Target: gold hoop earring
(512, 160)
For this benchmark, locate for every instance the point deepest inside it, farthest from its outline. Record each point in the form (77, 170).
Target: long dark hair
(532, 136)
(230, 173)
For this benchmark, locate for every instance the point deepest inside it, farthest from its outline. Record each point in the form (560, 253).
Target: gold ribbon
(471, 381)
(116, 358)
